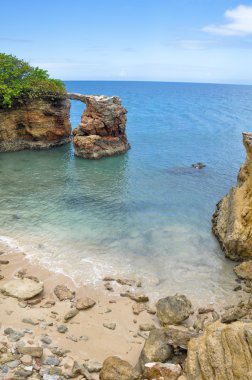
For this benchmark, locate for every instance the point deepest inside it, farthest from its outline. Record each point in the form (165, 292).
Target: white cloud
(240, 22)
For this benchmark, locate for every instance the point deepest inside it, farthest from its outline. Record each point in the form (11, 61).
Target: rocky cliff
(35, 124)
(232, 221)
(102, 129)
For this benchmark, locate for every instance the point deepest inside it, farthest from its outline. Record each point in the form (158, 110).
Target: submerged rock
(223, 352)
(35, 124)
(22, 288)
(232, 220)
(173, 310)
(115, 368)
(198, 165)
(101, 132)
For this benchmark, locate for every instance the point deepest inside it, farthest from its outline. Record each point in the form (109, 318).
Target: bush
(19, 81)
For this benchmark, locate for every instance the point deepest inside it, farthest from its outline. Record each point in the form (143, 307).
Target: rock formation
(101, 132)
(35, 124)
(232, 221)
(223, 352)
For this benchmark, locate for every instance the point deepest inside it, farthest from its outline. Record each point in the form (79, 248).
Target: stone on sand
(22, 288)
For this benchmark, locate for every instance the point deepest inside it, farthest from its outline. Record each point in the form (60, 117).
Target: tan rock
(167, 371)
(22, 288)
(36, 352)
(72, 313)
(232, 221)
(85, 303)
(35, 124)
(26, 359)
(115, 368)
(223, 352)
(63, 293)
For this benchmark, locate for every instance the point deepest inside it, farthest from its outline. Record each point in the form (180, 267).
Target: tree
(19, 81)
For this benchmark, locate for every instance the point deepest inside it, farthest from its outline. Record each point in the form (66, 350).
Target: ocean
(144, 214)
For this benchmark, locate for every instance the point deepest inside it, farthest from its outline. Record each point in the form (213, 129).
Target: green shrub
(19, 81)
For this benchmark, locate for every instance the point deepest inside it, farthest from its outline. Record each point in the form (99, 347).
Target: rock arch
(101, 131)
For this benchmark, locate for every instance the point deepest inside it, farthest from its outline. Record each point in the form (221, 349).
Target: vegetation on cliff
(19, 81)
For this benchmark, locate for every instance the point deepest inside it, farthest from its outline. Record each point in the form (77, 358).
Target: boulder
(101, 132)
(156, 349)
(22, 288)
(232, 220)
(173, 310)
(166, 371)
(223, 352)
(244, 270)
(115, 368)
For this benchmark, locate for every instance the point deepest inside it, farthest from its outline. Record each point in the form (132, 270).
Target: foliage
(19, 81)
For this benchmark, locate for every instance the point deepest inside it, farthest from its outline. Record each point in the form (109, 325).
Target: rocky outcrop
(223, 352)
(232, 221)
(35, 124)
(101, 132)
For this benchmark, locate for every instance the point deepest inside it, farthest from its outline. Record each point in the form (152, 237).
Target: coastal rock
(63, 293)
(223, 352)
(72, 313)
(173, 310)
(156, 349)
(166, 371)
(232, 220)
(22, 288)
(101, 132)
(244, 270)
(115, 368)
(35, 124)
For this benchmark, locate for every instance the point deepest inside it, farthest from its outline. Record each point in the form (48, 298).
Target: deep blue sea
(146, 213)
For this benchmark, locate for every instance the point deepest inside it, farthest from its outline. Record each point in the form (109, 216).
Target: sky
(207, 41)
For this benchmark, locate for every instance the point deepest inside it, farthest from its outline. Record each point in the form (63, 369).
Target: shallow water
(146, 213)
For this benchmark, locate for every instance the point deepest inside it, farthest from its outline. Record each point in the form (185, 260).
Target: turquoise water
(146, 213)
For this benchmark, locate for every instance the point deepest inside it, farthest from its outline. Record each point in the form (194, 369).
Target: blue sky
(157, 40)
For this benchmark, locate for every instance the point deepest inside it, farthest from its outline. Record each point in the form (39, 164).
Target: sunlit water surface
(146, 213)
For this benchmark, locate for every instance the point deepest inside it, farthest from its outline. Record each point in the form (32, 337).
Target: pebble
(72, 313)
(46, 339)
(4, 262)
(13, 364)
(26, 359)
(73, 338)
(110, 326)
(62, 329)
(52, 360)
(30, 321)
(84, 338)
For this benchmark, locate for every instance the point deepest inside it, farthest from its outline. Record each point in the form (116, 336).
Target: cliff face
(232, 221)
(102, 129)
(37, 124)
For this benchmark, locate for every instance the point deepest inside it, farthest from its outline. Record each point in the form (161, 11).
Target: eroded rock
(85, 303)
(63, 293)
(223, 352)
(101, 132)
(166, 371)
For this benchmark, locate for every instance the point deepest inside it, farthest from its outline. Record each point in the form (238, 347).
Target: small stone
(13, 364)
(35, 352)
(205, 310)
(138, 308)
(84, 338)
(73, 338)
(233, 314)
(4, 262)
(72, 313)
(62, 329)
(110, 326)
(52, 360)
(146, 327)
(85, 303)
(30, 321)
(236, 288)
(46, 339)
(93, 366)
(63, 293)
(26, 359)
(108, 287)
(22, 373)
(167, 371)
